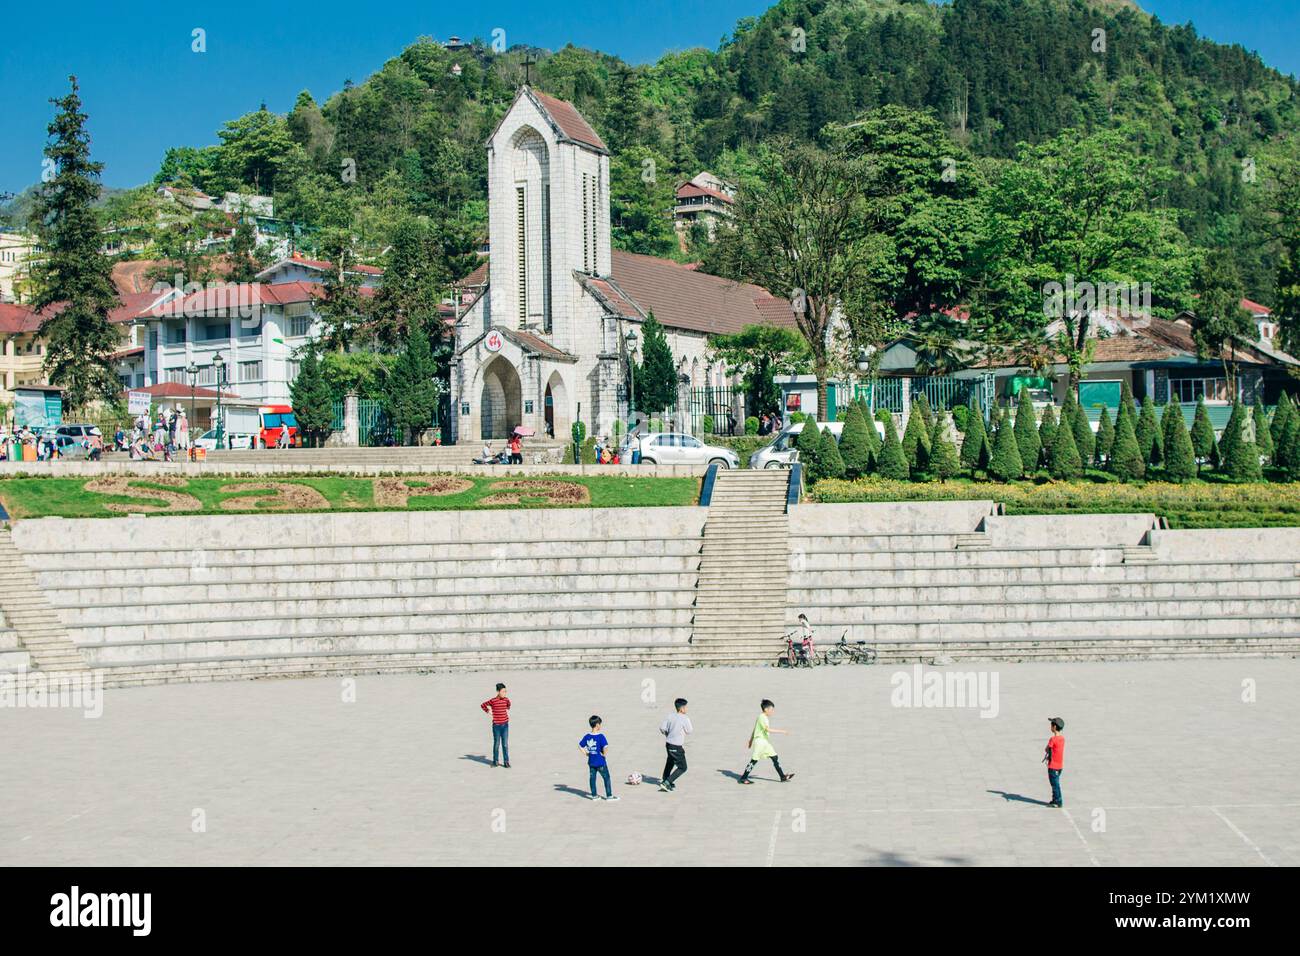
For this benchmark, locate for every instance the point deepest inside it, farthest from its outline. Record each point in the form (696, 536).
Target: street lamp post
(864, 365)
(192, 371)
(630, 339)
(219, 366)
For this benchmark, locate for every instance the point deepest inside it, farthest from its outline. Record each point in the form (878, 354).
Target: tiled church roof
(569, 120)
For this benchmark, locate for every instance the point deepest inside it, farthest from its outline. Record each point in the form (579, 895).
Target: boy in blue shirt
(595, 746)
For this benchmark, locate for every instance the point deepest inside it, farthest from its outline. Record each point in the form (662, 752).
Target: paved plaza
(1166, 764)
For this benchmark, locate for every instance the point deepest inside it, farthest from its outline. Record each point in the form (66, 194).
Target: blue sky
(145, 90)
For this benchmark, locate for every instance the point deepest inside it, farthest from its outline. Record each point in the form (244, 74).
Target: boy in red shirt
(1054, 757)
(498, 708)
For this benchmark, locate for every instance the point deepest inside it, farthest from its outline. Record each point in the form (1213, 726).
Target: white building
(259, 328)
(545, 337)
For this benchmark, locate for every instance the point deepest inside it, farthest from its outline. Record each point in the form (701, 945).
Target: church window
(586, 228)
(522, 239)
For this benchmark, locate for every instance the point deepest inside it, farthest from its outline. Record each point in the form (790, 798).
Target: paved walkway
(1165, 764)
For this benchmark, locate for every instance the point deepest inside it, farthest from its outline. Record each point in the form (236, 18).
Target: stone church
(542, 334)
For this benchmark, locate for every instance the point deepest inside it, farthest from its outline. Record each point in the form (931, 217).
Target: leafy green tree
(1047, 434)
(639, 202)
(892, 462)
(759, 353)
(72, 275)
(1203, 443)
(1005, 463)
(1219, 320)
(1027, 432)
(973, 453)
(1126, 461)
(1263, 436)
(855, 445)
(832, 464)
(801, 235)
(1289, 456)
(313, 404)
(1067, 465)
(253, 150)
(1179, 458)
(1105, 437)
(656, 376)
(413, 389)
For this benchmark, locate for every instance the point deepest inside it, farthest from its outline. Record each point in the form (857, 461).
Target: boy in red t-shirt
(498, 708)
(1054, 757)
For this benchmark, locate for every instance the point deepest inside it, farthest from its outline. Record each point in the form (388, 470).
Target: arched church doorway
(501, 402)
(557, 407)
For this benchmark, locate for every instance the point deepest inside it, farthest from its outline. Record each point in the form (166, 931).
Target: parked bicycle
(850, 652)
(797, 654)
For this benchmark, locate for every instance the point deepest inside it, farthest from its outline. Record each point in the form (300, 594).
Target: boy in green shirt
(760, 744)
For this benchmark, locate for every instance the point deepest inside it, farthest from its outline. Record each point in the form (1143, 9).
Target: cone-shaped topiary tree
(1263, 436)
(808, 443)
(855, 445)
(1240, 455)
(1126, 460)
(1027, 432)
(1047, 433)
(1233, 433)
(922, 404)
(1066, 463)
(916, 441)
(1147, 432)
(1203, 443)
(1277, 426)
(1290, 456)
(1005, 464)
(832, 464)
(892, 462)
(944, 462)
(1083, 436)
(972, 445)
(1126, 401)
(1180, 460)
(1105, 438)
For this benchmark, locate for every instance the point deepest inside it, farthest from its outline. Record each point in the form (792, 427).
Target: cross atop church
(529, 62)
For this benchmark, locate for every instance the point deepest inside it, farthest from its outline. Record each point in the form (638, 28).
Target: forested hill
(995, 73)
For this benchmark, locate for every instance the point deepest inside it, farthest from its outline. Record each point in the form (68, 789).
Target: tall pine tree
(73, 275)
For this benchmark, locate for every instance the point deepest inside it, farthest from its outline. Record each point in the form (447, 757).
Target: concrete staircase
(744, 565)
(32, 637)
(262, 607)
(916, 596)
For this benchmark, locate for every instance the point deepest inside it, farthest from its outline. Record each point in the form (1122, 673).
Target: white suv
(675, 448)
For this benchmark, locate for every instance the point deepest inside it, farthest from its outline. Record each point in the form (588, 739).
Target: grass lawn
(1207, 503)
(70, 497)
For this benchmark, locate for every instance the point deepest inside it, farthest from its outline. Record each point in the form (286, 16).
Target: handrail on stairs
(706, 487)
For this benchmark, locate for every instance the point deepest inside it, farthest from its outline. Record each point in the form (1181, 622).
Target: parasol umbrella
(523, 431)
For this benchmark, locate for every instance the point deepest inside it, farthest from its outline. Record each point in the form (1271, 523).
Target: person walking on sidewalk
(1054, 757)
(498, 708)
(675, 728)
(760, 743)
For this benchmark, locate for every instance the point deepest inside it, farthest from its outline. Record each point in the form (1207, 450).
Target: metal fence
(713, 401)
(373, 424)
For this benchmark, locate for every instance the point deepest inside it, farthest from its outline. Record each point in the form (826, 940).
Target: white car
(208, 440)
(780, 452)
(675, 448)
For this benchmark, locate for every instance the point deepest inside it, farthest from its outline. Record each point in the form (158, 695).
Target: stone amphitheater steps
(744, 564)
(37, 627)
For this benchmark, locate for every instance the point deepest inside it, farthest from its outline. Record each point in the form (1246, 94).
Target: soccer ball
(633, 778)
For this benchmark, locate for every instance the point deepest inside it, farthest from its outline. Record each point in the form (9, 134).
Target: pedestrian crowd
(159, 439)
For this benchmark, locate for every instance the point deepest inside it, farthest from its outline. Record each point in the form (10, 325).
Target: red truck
(273, 420)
